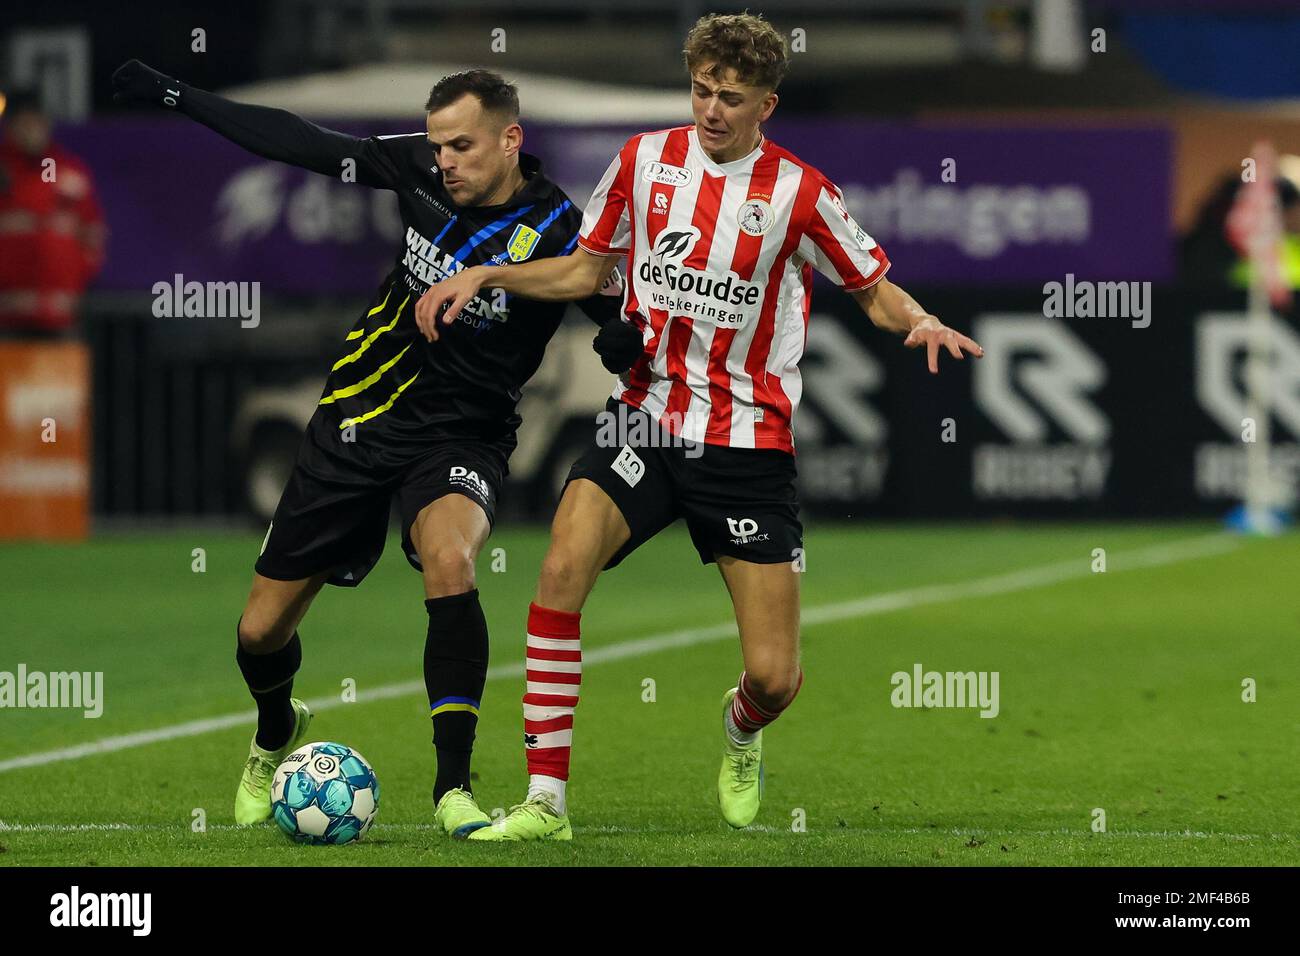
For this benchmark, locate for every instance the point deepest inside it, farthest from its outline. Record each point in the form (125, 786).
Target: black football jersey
(391, 389)
(390, 393)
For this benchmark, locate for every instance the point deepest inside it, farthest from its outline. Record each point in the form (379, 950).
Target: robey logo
(1222, 388)
(1036, 374)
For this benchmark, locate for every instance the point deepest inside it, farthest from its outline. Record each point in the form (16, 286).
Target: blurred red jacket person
(51, 225)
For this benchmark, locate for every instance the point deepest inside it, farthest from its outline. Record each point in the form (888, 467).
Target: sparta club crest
(755, 217)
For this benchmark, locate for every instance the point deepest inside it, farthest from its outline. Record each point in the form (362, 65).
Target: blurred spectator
(51, 226)
(1208, 257)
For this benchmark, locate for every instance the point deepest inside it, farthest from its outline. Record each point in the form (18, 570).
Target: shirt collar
(726, 169)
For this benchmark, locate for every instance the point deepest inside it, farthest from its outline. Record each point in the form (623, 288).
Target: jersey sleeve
(284, 137)
(606, 223)
(607, 303)
(838, 247)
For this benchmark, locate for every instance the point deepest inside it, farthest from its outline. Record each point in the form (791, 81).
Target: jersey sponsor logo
(463, 477)
(428, 264)
(745, 530)
(755, 217)
(666, 175)
(628, 466)
(695, 293)
(522, 242)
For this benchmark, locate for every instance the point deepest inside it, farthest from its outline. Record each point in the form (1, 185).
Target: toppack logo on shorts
(463, 477)
(693, 293)
(745, 530)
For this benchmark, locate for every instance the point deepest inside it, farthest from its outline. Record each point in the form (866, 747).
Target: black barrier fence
(1137, 414)
(1128, 415)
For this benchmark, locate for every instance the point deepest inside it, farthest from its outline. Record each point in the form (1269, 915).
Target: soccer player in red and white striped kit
(720, 229)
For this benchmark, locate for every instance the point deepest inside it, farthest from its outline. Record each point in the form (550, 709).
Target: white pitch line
(1023, 580)
(967, 832)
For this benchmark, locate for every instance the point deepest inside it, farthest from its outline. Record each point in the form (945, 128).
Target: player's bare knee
(561, 570)
(448, 568)
(566, 577)
(772, 684)
(262, 635)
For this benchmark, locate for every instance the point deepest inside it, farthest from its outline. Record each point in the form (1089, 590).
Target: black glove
(618, 344)
(133, 82)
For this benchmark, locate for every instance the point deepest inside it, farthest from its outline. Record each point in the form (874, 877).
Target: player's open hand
(444, 300)
(933, 334)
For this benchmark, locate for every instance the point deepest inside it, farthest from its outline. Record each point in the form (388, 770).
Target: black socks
(455, 669)
(270, 681)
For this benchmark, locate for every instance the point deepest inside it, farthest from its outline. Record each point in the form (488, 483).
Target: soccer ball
(325, 793)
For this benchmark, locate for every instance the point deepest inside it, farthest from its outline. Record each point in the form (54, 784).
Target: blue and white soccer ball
(325, 793)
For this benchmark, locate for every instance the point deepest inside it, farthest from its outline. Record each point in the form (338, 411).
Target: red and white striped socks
(746, 718)
(554, 674)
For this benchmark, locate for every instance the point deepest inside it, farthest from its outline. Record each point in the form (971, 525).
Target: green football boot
(533, 819)
(253, 798)
(740, 782)
(458, 814)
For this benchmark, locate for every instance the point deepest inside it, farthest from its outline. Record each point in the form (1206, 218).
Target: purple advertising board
(951, 204)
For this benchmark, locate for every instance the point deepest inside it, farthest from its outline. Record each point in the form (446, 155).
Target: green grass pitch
(1119, 691)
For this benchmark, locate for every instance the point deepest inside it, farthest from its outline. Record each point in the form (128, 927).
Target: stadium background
(1076, 156)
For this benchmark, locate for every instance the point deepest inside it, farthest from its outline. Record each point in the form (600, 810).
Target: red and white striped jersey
(719, 277)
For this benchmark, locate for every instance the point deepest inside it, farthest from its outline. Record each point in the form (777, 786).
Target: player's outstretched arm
(559, 279)
(270, 133)
(889, 307)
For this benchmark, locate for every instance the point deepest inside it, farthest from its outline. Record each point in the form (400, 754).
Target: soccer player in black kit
(431, 424)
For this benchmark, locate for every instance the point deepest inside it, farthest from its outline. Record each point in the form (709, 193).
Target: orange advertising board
(44, 440)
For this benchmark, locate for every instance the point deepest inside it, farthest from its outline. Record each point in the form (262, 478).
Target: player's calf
(447, 534)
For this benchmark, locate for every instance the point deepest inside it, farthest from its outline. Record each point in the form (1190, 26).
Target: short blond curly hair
(745, 42)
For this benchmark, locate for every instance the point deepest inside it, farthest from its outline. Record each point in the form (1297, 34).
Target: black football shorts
(333, 514)
(739, 502)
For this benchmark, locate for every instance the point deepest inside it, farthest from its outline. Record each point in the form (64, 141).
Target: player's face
(475, 151)
(727, 113)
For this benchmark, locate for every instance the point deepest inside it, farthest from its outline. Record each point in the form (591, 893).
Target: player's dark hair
(494, 94)
(745, 42)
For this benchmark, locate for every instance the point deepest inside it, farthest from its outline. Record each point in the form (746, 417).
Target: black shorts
(739, 502)
(333, 514)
